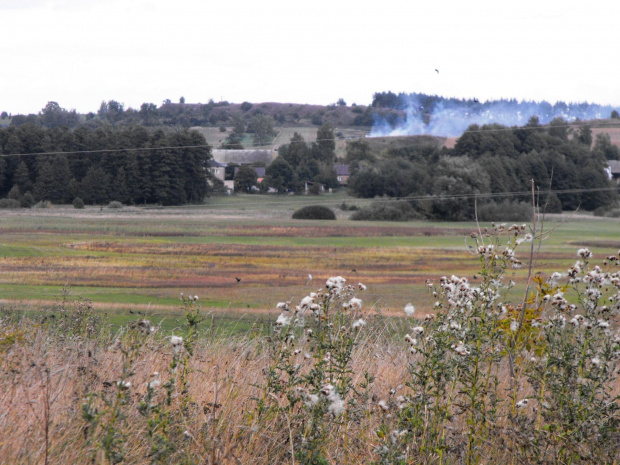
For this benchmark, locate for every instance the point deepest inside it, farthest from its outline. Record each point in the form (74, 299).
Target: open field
(73, 389)
(142, 259)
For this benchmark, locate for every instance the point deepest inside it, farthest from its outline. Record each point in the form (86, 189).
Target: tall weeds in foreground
(481, 379)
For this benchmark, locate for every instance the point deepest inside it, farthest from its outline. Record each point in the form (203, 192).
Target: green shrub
(317, 119)
(506, 210)
(43, 204)
(14, 193)
(346, 207)
(387, 211)
(115, 204)
(78, 203)
(552, 204)
(27, 200)
(609, 211)
(314, 212)
(9, 204)
(315, 189)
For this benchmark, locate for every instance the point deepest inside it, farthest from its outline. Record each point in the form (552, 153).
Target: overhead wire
(330, 139)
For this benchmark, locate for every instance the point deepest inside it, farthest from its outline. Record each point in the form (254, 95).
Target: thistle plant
(572, 415)
(556, 355)
(105, 413)
(455, 362)
(309, 391)
(167, 407)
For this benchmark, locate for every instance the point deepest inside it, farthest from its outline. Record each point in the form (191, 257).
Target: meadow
(142, 259)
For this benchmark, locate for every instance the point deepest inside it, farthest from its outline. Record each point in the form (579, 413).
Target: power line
(76, 152)
(332, 139)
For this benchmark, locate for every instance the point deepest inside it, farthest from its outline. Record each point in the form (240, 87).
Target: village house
(342, 173)
(217, 169)
(614, 170)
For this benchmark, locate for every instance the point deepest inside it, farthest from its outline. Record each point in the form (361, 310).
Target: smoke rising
(438, 116)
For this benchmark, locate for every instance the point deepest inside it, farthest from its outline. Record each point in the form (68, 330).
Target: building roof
(243, 157)
(216, 164)
(342, 170)
(614, 166)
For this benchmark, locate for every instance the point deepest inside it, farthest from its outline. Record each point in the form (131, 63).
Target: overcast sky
(80, 52)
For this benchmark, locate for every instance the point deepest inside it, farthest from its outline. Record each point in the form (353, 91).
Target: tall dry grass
(45, 379)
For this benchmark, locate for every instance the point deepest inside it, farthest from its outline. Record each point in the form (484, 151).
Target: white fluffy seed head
(409, 309)
(522, 403)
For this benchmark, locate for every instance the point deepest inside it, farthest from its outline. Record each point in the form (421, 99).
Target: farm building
(217, 169)
(243, 157)
(614, 170)
(342, 172)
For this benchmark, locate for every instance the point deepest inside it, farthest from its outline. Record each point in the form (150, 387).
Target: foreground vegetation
(524, 379)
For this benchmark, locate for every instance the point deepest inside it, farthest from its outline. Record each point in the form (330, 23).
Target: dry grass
(78, 368)
(45, 379)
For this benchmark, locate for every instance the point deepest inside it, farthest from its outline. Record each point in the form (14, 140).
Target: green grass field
(142, 259)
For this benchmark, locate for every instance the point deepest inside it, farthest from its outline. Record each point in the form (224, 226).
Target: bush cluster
(314, 212)
(387, 211)
(10, 204)
(78, 203)
(506, 210)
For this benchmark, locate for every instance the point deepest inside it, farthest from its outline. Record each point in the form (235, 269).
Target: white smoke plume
(450, 117)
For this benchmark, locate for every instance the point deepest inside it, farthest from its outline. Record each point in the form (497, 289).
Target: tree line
(132, 165)
(256, 121)
(428, 104)
(489, 159)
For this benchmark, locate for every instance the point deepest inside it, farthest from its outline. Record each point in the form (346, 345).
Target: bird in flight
(238, 279)
(476, 100)
(436, 70)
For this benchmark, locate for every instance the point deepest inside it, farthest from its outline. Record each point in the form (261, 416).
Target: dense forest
(489, 159)
(131, 165)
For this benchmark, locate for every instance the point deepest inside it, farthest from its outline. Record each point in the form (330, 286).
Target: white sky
(80, 52)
